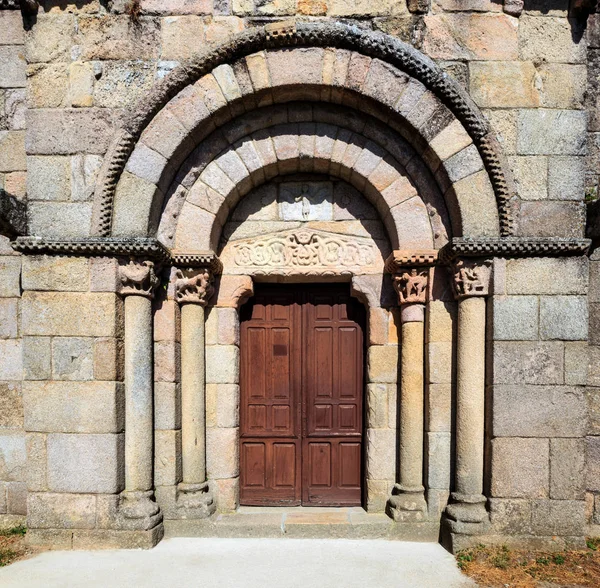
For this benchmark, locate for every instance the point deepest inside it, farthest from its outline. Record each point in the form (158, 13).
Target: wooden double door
(301, 409)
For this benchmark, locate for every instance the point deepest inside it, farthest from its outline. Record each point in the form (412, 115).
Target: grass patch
(12, 545)
(499, 566)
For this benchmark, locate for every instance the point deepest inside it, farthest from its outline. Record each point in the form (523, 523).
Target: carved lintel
(471, 277)
(137, 277)
(402, 258)
(194, 285)
(411, 285)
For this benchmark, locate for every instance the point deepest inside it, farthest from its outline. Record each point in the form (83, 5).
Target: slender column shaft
(193, 394)
(138, 394)
(411, 402)
(470, 396)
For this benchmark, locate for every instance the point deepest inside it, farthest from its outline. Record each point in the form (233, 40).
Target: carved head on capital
(137, 277)
(411, 285)
(471, 277)
(194, 285)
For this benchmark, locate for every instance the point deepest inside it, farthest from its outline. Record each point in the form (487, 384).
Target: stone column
(467, 513)
(193, 289)
(408, 502)
(137, 283)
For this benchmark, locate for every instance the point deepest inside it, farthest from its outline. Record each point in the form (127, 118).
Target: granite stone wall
(73, 72)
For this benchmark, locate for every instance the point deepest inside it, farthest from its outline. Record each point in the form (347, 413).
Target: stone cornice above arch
(334, 35)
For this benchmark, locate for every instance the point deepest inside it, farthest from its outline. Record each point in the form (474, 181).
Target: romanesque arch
(332, 63)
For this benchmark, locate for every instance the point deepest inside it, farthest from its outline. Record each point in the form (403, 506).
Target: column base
(137, 510)
(195, 501)
(407, 504)
(463, 520)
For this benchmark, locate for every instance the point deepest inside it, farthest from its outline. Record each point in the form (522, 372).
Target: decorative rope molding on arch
(292, 34)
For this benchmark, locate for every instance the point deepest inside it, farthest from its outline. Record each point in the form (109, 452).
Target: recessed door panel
(301, 397)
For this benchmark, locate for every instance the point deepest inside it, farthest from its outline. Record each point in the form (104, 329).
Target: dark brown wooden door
(301, 410)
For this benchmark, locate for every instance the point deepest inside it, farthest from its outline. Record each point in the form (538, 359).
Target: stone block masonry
(119, 378)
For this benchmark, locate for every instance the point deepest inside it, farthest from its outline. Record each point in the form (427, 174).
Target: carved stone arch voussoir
(331, 35)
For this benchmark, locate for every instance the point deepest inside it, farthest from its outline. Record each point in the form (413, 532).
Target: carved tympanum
(471, 277)
(137, 277)
(194, 285)
(411, 285)
(310, 250)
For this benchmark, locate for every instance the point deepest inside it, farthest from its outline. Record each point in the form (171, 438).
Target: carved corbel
(137, 277)
(194, 285)
(471, 277)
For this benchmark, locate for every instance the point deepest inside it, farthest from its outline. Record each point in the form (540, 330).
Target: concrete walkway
(245, 563)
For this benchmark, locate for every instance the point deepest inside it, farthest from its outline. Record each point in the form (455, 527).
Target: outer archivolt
(336, 35)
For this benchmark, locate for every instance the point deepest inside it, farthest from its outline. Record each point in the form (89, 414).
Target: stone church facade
(171, 171)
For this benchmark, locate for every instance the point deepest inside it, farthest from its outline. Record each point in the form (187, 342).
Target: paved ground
(247, 563)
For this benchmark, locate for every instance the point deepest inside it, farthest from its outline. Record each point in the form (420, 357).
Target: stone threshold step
(333, 523)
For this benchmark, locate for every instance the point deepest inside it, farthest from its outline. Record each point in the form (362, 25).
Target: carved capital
(137, 277)
(411, 285)
(194, 285)
(471, 277)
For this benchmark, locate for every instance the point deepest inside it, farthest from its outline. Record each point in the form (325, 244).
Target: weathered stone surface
(81, 84)
(566, 178)
(562, 85)
(39, 169)
(439, 362)
(520, 362)
(558, 517)
(47, 85)
(377, 406)
(167, 405)
(72, 358)
(12, 72)
(85, 463)
(51, 38)
(576, 363)
(45, 272)
(9, 317)
(167, 457)
(74, 407)
(503, 84)
(382, 363)
(438, 460)
(60, 219)
(516, 318)
(438, 407)
(222, 405)
(594, 366)
(546, 276)
(222, 453)
(16, 498)
(10, 271)
(539, 411)
(381, 454)
(12, 456)
(166, 361)
(548, 39)
(552, 219)
(113, 37)
(12, 151)
(11, 359)
(84, 170)
(563, 317)
(520, 468)
(592, 454)
(61, 511)
(11, 28)
(222, 364)
(69, 131)
(567, 467)
(471, 36)
(133, 202)
(70, 314)
(531, 176)
(37, 358)
(37, 460)
(551, 132)
(11, 405)
(511, 515)
(123, 84)
(180, 35)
